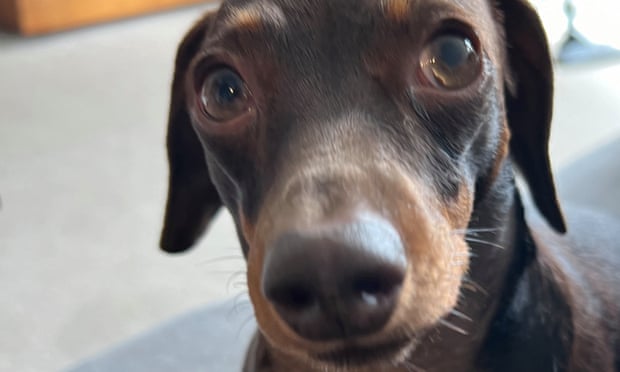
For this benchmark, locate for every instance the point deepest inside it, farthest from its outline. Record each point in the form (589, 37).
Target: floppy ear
(192, 197)
(529, 104)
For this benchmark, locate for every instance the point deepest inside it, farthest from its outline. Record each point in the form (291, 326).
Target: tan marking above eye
(253, 17)
(396, 10)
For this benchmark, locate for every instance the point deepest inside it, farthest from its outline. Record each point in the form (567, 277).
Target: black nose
(338, 281)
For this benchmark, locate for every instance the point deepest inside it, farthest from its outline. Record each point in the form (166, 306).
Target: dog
(367, 151)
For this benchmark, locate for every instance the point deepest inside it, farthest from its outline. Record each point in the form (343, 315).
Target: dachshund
(369, 152)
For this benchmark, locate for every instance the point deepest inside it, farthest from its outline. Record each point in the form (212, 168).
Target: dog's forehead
(291, 14)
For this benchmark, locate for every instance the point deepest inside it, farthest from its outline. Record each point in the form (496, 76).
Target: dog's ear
(192, 198)
(529, 104)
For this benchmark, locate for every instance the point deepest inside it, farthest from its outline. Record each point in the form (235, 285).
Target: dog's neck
(519, 319)
(531, 329)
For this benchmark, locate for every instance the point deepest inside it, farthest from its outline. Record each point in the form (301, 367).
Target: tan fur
(438, 258)
(254, 17)
(396, 10)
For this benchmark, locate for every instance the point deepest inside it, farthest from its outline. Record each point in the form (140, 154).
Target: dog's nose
(338, 281)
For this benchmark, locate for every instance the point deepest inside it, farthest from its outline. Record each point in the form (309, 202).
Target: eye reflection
(224, 95)
(450, 61)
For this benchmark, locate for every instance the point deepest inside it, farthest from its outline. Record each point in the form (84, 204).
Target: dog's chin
(365, 357)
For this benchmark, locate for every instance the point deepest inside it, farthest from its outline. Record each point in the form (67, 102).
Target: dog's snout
(338, 281)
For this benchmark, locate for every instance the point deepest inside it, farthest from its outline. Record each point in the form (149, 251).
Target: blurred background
(83, 173)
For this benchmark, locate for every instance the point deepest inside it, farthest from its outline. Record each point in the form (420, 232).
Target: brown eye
(224, 95)
(450, 61)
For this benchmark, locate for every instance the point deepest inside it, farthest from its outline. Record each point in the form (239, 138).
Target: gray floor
(82, 183)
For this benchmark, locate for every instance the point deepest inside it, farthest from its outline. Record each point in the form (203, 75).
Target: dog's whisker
(239, 301)
(475, 233)
(461, 315)
(473, 286)
(453, 327)
(484, 242)
(221, 259)
(226, 272)
(233, 278)
(412, 367)
(239, 295)
(238, 311)
(241, 305)
(419, 109)
(240, 285)
(477, 230)
(409, 366)
(244, 324)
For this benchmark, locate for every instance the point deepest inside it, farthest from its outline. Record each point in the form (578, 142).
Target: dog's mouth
(353, 355)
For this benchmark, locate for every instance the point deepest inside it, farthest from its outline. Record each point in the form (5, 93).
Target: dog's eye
(224, 95)
(450, 61)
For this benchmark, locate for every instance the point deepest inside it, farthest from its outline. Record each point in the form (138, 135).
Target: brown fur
(340, 120)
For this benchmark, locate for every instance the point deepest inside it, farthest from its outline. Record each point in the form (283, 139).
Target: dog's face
(350, 140)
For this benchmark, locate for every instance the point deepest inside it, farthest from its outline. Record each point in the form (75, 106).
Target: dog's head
(352, 141)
